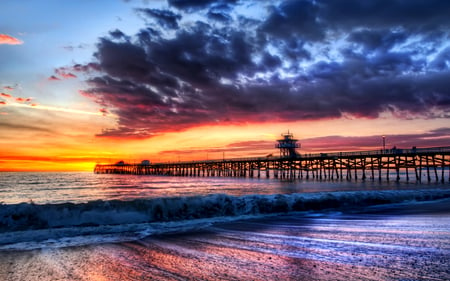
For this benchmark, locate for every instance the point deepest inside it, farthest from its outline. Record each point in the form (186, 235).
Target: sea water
(85, 226)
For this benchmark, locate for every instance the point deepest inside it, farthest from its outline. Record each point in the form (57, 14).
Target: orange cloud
(68, 75)
(23, 99)
(86, 94)
(9, 40)
(55, 108)
(2, 102)
(104, 111)
(26, 102)
(8, 88)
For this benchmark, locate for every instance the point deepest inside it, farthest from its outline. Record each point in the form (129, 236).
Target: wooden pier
(419, 164)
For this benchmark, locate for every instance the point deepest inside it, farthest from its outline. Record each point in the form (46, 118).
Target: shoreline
(384, 242)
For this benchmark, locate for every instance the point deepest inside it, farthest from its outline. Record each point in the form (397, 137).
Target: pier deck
(421, 164)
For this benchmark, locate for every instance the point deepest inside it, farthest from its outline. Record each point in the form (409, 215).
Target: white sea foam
(23, 225)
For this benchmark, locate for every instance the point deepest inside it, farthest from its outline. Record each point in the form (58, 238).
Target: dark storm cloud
(192, 5)
(382, 39)
(165, 18)
(302, 60)
(310, 20)
(415, 15)
(117, 34)
(86, 67)
(294, 18)
(441, 62)
(220, 12)
(219, 16)
(122, 59)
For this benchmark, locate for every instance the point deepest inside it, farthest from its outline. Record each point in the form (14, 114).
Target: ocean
(86, 226)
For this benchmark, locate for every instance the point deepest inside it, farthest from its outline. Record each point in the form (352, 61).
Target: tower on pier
(287, 145)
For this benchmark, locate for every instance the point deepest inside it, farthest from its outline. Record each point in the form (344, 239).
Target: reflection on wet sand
(291, 247)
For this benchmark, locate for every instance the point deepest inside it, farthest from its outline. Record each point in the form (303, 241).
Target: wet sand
(397, 243)
(148, 261)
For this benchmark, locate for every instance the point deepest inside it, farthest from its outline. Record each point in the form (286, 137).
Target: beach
(322, 232)
(386, 243)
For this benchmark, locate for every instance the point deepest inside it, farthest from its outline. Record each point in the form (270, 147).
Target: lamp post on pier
(384, 143)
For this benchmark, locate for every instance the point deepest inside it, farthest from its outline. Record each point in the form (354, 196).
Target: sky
(86, 82)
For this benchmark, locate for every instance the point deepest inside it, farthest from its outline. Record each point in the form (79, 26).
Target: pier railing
(380, 152)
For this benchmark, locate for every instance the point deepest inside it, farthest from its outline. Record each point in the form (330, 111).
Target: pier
(419, 164)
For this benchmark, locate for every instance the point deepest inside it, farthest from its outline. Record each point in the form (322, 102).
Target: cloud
(66, 75)
(297, 60)
(53, 78)
(8, 88)
(2, 102)
(63, 73)
(414, 15)
(9, 40)
(19, 127)
(117, 34)
(219, 16)
(104, 111)
(27, 103)
(294, 18)
(16, 99)
(72, 48)
(165, 18)
(85, 68)
(194, 5)
(23, 99)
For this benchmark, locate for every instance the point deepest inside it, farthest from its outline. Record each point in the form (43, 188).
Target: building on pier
(287, 146)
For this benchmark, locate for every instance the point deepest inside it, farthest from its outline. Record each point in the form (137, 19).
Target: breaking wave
(27, 222)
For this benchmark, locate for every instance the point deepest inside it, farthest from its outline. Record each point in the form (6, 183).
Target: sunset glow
(9, 40)
(184, 80)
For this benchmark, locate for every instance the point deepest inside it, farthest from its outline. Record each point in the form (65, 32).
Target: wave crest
(29, 216)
